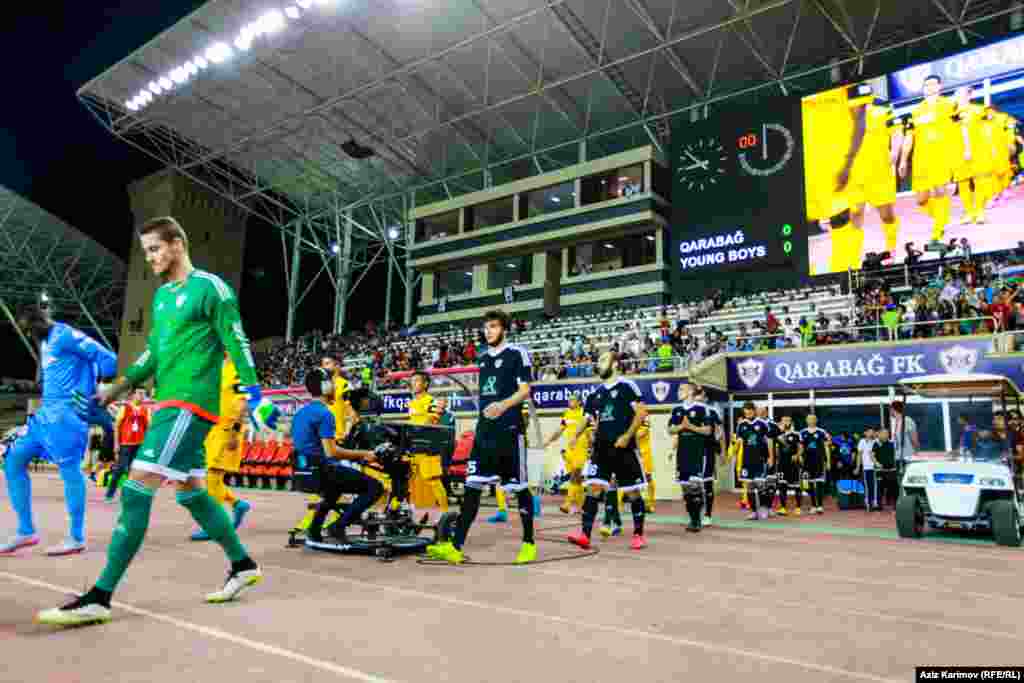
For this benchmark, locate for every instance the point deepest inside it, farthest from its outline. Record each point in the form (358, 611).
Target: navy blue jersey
(502, 371)
(789, 446)
(715, 420)
(754, 435)
(815, 442)
(699, 415)
(612, 408)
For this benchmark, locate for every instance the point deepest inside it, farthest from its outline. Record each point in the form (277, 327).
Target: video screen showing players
(904, 168)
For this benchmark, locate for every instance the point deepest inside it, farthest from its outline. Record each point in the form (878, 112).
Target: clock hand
(699, 164)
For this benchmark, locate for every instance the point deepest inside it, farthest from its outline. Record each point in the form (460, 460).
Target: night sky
(55, 153)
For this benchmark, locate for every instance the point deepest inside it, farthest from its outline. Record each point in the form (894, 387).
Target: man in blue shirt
(968, 434)
(313, 433)
(70, 362)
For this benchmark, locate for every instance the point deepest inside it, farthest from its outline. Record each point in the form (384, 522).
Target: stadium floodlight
(272, 22)
(155, 88)
(131, 105)
(556, 200)
(393, 233)
(190, 68)
(166, 83)
(243, 42)
(335, 249)
(304, 4)
(200, 62)
(609, 246)
(292, 12)
(179, 75)
(650, 238)
(469, 273)
(219, 52)
(145, 96)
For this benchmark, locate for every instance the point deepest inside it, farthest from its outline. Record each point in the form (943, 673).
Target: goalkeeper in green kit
(195, 320)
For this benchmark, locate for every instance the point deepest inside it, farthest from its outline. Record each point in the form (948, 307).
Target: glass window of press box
(614, 253)
(622, 182)
(494, 212)
(453, 282)
(434, 227)
(548, 200)
(516, 270)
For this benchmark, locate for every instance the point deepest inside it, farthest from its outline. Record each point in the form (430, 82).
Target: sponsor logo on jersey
(490, 387)
(497, 363)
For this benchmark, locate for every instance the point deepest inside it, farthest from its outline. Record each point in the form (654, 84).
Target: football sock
(812, 491)
(819, 488)
(892, 234)
(967, 197)
(213, 519)
(19, 485)
(649, 493)
(783, 494)
(639, 509)
(574, 495)
(525, 500)
(499, 493)
(755, 500)
(136, 504)
(74, 497)
(470, 506)
(611, 508)
(940, 214)
(709, 497)
(440, 493)
(590, 505)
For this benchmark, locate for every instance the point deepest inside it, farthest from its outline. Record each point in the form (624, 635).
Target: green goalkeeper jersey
(194, 323)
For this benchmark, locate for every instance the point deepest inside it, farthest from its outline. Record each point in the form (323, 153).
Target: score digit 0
(748, 141)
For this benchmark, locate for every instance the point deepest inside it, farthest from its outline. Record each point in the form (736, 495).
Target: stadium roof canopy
(40, 253)
(262, 100)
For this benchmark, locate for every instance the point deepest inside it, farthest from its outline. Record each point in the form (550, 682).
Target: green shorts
(173, 445)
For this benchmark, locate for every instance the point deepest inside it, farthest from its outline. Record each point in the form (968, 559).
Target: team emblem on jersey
(180, 301)
(959, 360)
(615, 393)
(750, 372)
(497, 363)
(693, 413)
(660, 390)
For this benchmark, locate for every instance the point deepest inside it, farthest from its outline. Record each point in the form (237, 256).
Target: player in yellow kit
(223, 446)
(932, 135)
(873, 177)
(975, 163)
(1005, 143)
(643, 444)
(575, 453)
(426, 490)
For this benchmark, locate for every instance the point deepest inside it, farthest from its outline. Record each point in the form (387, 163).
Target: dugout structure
(335, 120)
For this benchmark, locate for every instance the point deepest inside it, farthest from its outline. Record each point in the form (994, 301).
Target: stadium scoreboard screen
(738, 194)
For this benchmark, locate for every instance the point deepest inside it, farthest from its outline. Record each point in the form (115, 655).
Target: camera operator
(313, 432)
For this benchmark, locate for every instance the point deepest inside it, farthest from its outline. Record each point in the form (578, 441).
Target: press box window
(548, 200)
(517, 270)
(434, 227)
(453, 282)
(623, 182)
(612, 254)
(491, 213)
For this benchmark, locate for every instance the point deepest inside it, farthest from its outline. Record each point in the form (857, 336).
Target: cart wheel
(909, 517)
(1005, 523)
(445, 529)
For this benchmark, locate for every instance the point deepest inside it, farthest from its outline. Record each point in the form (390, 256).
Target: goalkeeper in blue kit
(195, 321)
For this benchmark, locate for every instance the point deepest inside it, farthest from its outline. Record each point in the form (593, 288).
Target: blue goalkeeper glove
(262, 411)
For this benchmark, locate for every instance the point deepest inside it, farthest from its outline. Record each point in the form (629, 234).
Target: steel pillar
(343, 224)
(293, 282)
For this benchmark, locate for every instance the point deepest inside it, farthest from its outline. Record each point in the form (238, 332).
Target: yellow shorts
(220, 455)
(424, 468)
(877, 189)
(931, 170)
(847, 248)
(574, 460)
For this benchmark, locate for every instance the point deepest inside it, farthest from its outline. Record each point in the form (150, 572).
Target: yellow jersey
(420, 410)
(875, 155)
(972, 121)
(828, 127)
(571, 420)
(232, 402)
(935, 134)
(643, 438)
(341, 409)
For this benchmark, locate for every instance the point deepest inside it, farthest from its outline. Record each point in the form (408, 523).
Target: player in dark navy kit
(771, 478)
(715, 450)
(499, 453)
(788, 451)
(617, 411)
(816, 443)
(753, 434)
(692, 421)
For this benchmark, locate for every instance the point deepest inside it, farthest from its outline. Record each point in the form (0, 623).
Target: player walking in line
(787, 465)
(58, 431)
(499, 452)
(617, 411)
(931, 136)
(692, 423)
(771, 471)
(753, 435)
(575, 453)
(223, 447)
(195, 320)
(643, 444)
(714, 444)
(974, 169)
(130, 428)
(816, 443)
(425, 487)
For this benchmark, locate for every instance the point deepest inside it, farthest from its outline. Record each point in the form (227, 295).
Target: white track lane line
(593, 626)
(218, 634)
(762, 599)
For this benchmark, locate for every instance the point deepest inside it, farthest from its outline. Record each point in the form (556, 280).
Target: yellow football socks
(940, 214)
(500, 494)
(440, 493)
(892, 233)
(847, 245)
(967, 197)
(649, 494)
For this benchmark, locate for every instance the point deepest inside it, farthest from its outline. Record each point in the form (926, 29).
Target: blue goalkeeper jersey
(70, 361)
